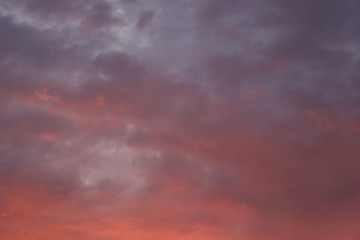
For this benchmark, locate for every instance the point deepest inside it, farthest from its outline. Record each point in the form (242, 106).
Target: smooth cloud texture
(184, 120)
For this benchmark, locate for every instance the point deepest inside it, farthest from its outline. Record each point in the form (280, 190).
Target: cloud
(182, 120)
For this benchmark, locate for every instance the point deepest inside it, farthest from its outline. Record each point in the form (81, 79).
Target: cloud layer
(184, 120)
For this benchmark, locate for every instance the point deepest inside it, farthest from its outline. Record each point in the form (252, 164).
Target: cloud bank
(205, 119)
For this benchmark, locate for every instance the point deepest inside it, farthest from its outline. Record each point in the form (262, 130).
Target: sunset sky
(179, 120)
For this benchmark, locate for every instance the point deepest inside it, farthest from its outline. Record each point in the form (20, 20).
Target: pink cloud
(179, 120)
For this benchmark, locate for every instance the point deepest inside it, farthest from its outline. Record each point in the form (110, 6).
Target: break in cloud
(186, 119)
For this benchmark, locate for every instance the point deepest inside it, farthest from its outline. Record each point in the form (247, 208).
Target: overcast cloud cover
(179, 119)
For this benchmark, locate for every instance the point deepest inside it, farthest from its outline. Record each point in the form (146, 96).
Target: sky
(179, 119)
